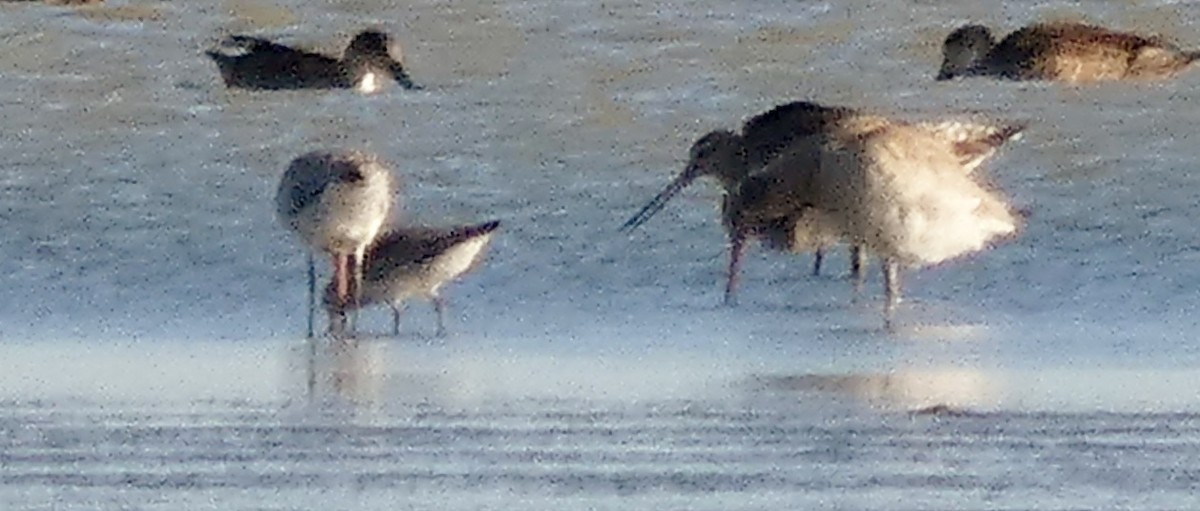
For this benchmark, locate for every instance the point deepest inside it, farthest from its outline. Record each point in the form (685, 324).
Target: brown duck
(1066, 52)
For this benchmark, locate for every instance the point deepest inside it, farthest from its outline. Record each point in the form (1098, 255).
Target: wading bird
(731, 158)
(336, 202)
(415, 262)
(905, 191)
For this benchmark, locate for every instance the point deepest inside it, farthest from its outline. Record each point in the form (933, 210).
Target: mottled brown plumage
(732, 158)
(905, 191)
(1066, 52)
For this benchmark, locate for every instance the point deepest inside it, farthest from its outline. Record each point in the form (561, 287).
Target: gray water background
(152, 312)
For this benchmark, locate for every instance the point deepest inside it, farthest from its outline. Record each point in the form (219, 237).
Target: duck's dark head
(375, 53)
(370, 43)
(964, 50)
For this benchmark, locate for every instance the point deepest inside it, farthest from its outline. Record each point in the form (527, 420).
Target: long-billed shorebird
(372, 57)
(337, 203)
(905, 191)
(412, 262)
(731, 158)
(1063, 51)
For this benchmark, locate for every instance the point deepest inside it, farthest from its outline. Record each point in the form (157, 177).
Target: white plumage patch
(426, 278)
(459, 258)
(966, 131)
(232, 49)
(906, 194)
(369, 83)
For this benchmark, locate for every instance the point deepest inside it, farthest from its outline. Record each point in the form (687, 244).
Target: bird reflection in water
(925, 391)
(343, 371)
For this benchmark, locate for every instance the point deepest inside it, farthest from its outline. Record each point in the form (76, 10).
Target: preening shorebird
(908, 192)
(336, 202)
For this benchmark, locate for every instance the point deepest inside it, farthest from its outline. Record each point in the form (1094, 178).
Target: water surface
(152, 308)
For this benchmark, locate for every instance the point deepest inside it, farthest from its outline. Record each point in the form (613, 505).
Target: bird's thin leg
(395, 320)
(891, 282)
(337, 325)
(737, 246)
(341, 280)
(858, 263)
(310, 379)
(337, 321)
(358, 284)
(818, 258)
(312, 295)
(439, 306)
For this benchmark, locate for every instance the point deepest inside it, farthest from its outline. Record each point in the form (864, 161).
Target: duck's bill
(658, 202)
(402, 77)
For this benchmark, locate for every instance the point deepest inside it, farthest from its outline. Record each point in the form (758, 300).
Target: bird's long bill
(402, 78)
(659, 201)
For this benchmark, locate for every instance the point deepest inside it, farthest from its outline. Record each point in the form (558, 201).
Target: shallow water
(152, 309)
